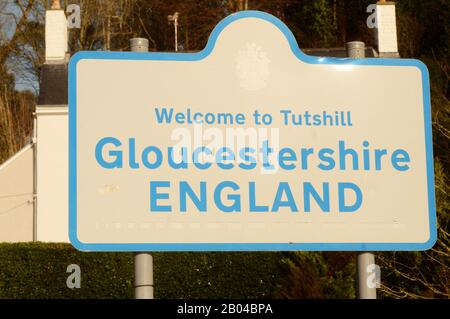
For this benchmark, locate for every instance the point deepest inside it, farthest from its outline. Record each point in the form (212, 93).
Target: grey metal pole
(366, 287)
(356, 50)
(143, 276)
(139, 45)
(143, 262)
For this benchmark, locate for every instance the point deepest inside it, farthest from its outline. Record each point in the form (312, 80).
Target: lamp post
(174, 18)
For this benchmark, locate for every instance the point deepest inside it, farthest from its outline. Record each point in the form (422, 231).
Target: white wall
(16, 197)
(52, 174)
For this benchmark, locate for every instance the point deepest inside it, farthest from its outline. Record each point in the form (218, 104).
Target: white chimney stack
(386, 29)
(55, 33)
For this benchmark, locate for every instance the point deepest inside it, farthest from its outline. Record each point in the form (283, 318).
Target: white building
(34, 182)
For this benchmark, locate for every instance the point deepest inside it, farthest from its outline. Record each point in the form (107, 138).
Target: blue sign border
(243, 246)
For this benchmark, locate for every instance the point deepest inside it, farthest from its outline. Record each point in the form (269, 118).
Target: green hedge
(38, 270)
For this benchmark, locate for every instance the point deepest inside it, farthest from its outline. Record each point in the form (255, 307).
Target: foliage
(38, 270)
(217, 275)
(16, 121)
(318, 275)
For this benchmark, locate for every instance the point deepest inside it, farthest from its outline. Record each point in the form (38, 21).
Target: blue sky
(24, 80)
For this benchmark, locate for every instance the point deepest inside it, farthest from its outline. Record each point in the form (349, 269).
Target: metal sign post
(356, 50)
(143, 276)
(143, 262)
(365, 288)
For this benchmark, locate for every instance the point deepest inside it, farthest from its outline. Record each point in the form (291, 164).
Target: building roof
(53, 84)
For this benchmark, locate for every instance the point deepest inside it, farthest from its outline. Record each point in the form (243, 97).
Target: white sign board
(249, 145)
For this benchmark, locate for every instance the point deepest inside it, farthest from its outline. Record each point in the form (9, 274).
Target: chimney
(386, 30)
(55, 34)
